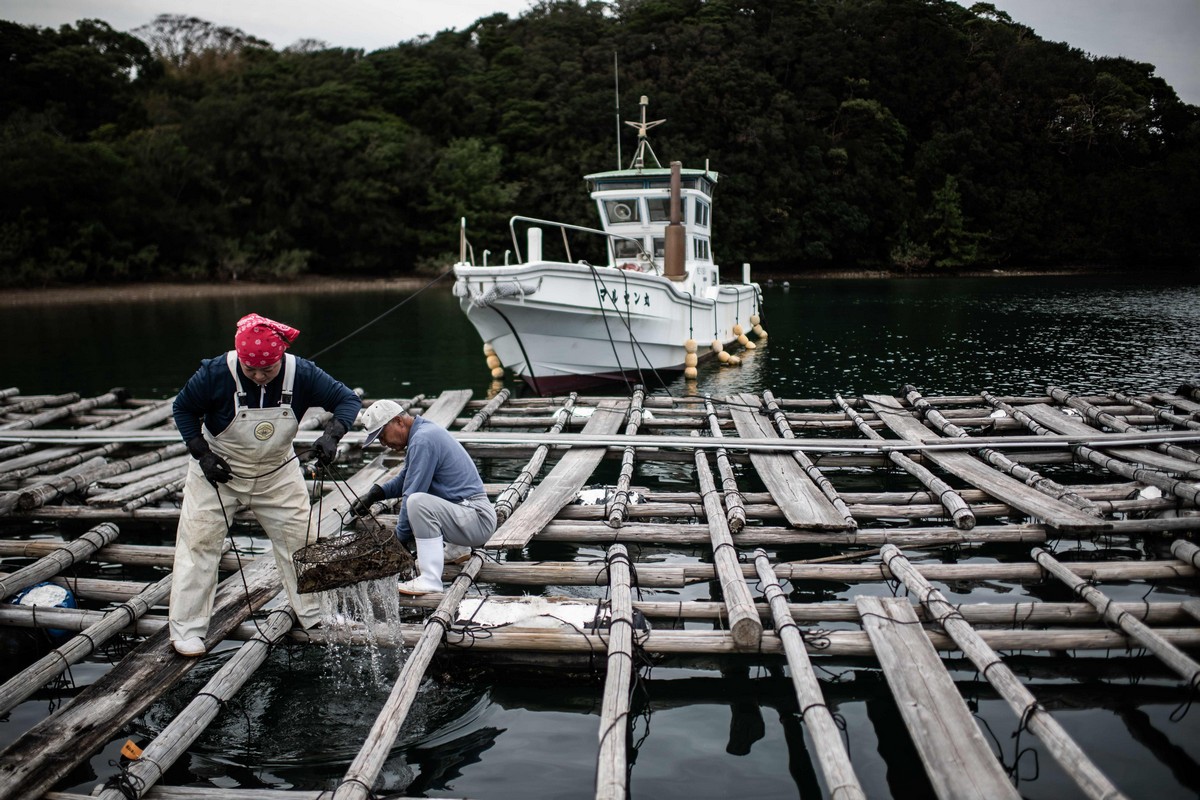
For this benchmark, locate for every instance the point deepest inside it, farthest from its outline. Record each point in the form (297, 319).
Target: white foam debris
(527, 612)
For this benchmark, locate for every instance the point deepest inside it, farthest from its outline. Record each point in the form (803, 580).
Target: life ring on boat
(630, 265)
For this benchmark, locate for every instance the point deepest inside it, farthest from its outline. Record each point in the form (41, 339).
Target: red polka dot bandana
(260, 342)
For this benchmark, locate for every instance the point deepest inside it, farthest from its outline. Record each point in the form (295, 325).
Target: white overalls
(258, 446)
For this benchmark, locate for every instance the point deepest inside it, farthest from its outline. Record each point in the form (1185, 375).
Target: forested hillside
(904, 135)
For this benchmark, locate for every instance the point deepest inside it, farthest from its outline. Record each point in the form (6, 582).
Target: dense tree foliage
(906, 135)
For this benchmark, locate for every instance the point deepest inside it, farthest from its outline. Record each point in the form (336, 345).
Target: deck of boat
(763, 499)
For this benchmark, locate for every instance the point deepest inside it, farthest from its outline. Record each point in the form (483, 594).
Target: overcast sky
(1165, 33)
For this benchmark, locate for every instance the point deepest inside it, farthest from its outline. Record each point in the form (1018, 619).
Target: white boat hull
(562, 326)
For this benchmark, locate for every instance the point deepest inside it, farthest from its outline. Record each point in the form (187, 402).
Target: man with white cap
(443, 499)
(239, 414)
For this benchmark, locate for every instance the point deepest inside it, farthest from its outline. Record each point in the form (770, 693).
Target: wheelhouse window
(660, 246)
(625, 248)
(620, 211)
(659, 208)
(700, 249)
(701, 212)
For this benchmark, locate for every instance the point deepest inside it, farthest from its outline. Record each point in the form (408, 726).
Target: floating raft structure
(764, 501)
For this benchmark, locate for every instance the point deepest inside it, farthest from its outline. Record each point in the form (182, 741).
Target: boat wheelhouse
(569, 324)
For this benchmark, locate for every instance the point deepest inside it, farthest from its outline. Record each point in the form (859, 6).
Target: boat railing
(563, 227)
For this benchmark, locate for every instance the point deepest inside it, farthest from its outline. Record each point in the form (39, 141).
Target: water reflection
(1007, 335)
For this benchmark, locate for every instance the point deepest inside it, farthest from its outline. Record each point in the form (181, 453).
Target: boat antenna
(617, 94)
(639, 158)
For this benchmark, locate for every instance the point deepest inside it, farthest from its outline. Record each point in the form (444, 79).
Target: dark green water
(704, 729)
(1007, 335)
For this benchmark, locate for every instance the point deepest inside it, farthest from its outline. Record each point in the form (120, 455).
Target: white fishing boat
(568, 324)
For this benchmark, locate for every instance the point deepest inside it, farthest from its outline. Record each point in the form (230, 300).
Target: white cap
(380, 413)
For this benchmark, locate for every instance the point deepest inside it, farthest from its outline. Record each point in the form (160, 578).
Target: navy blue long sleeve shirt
(207, 398)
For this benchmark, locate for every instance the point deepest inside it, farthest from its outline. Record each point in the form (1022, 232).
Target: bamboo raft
(768, 500)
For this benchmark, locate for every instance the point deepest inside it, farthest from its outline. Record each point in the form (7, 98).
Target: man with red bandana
(239, 414)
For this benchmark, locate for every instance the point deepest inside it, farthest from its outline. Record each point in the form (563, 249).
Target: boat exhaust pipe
(675, 239)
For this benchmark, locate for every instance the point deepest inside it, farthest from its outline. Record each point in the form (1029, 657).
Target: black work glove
(362, 506)
(325, 448)
(215, 468)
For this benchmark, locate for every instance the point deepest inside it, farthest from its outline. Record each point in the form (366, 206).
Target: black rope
(130, 786)
(370, 792)
(362, 328)
(607, 331)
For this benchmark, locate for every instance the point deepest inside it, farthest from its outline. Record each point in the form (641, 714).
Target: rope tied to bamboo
(1026, 714)
(370, 792)
(129, 785)
(1182, 709)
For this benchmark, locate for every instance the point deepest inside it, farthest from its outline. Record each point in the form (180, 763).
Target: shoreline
(152, 292)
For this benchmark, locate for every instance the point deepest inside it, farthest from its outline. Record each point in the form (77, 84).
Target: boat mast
(617, 94)
(639, 158)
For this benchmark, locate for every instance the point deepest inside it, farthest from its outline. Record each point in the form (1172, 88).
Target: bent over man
(443, 497)
(239, 414)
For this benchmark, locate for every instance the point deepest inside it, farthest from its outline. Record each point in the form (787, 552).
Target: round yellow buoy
(717, 347)
(723, 357)
(734, 361)
(738, 330)
(759, 332)
(689, 373)
(743, 339)
(755, 319)
(690, 345)
(690, 360)
(493, 361)
(751, 346)
(488, 350)
(498, 372)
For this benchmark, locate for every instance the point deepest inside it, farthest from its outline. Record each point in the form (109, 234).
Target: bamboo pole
(48, 566)
(364, 770)
(34, 403)
(63, 412)
(1031, 714)
(840, 778)
(140, 554)
(1098, 416)
(1187, 491)
(161, 493)
(48, 751)
(735, 510)
(1186, 551)
(1159, 414)
(1000, 461)
(172, 742)
(176, 473)
(1170, 655)
(512, 496)
(484, 414)
(960, 512)
(805, 462)
(53, 459)
(71, 478)
(17, 688)
(56, 488)
(744, 622)
(615, 441)
(660, 642)
(612, 771)
(620, 503)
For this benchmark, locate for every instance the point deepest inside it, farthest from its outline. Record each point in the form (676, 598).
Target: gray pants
(470, 522)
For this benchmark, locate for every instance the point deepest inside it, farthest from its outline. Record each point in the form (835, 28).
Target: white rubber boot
(191, 648)
(429, 562)
(457, 553)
